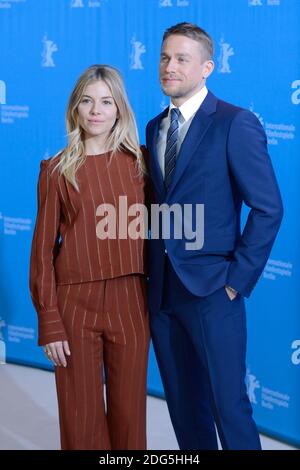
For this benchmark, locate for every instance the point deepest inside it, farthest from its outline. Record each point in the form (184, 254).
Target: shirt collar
(189, 107)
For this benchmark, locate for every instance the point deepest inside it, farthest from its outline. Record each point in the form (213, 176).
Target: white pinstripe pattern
(70, 223)
(94, 204)
(102, 198)
(136, 200)
(84, 363)
(66, 398)
(85, 224)
(76, 431)
(88, 305)
(115, 205)
(53, 284)
(124, 192)
(117, 294)
(94, 369)
(110, 326)
(43, 240)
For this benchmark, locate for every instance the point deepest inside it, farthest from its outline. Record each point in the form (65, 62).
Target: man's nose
(170, 66)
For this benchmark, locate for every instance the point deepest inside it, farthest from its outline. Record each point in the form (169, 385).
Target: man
(206, 151)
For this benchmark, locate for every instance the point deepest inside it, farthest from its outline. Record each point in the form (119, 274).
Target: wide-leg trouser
(107, 327)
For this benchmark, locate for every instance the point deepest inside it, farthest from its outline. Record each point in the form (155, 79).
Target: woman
(87, 281)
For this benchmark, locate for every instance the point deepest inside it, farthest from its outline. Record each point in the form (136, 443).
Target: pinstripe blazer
(65, 246)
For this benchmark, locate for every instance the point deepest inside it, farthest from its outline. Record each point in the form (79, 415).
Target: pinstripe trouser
(107, 327)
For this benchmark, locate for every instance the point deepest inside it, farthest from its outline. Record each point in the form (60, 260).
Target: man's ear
(208, 68)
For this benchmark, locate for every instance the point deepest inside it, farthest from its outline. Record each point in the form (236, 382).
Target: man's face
(182, 69)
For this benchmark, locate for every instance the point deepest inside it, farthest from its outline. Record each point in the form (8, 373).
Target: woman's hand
(56, 352)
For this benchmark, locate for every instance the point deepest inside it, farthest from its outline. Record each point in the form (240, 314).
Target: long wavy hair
(123, 135)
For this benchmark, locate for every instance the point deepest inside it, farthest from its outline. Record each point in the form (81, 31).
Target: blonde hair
(123, 136)
(193, 31)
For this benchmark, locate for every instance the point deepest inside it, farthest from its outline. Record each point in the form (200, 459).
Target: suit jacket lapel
(199, 125)
(156, 171)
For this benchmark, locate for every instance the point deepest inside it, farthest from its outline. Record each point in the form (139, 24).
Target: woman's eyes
(88, 100)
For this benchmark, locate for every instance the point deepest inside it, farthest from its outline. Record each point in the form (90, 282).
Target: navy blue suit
(199, 335)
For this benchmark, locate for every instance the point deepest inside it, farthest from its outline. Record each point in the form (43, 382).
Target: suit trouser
(200, 344)
(107, 327)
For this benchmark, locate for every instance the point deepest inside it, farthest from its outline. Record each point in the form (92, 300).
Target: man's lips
(170, 79)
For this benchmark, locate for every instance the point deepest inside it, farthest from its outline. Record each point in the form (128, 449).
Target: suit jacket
(223, 162)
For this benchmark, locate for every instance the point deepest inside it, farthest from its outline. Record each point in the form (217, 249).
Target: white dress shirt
(187, 111)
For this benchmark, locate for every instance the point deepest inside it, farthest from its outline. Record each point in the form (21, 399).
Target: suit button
(166, 251)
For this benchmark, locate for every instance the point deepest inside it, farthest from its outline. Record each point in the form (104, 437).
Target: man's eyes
(179, 59)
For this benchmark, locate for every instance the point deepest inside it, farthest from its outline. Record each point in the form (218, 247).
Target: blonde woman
(88, 286)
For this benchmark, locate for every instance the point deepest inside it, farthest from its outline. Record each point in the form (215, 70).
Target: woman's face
(97, 110)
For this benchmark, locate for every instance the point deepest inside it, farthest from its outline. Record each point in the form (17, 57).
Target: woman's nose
(96, 109)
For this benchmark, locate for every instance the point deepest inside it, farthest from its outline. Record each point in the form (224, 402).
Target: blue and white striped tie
(171, 147)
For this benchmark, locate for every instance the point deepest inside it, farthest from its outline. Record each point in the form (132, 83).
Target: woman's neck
(95, 146)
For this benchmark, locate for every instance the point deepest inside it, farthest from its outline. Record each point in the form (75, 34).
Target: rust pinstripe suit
(91, 292)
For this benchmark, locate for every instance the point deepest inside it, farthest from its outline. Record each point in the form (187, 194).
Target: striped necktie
(171, 147)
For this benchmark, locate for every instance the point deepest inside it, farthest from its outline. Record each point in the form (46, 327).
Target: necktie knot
(175, 113)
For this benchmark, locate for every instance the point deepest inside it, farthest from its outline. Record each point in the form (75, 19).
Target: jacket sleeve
(44, 245)
(255, 181)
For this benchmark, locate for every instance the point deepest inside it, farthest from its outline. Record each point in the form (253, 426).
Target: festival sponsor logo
(86, 3)
(276, 132)
(261, 3)
(14, 225)
(7, 4)
(255, 3)
(265, 396)
(10, 113)
(18, 333)
(173, 3)
(276, 269)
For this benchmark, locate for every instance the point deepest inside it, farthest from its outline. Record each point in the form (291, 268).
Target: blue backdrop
(46, 44)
